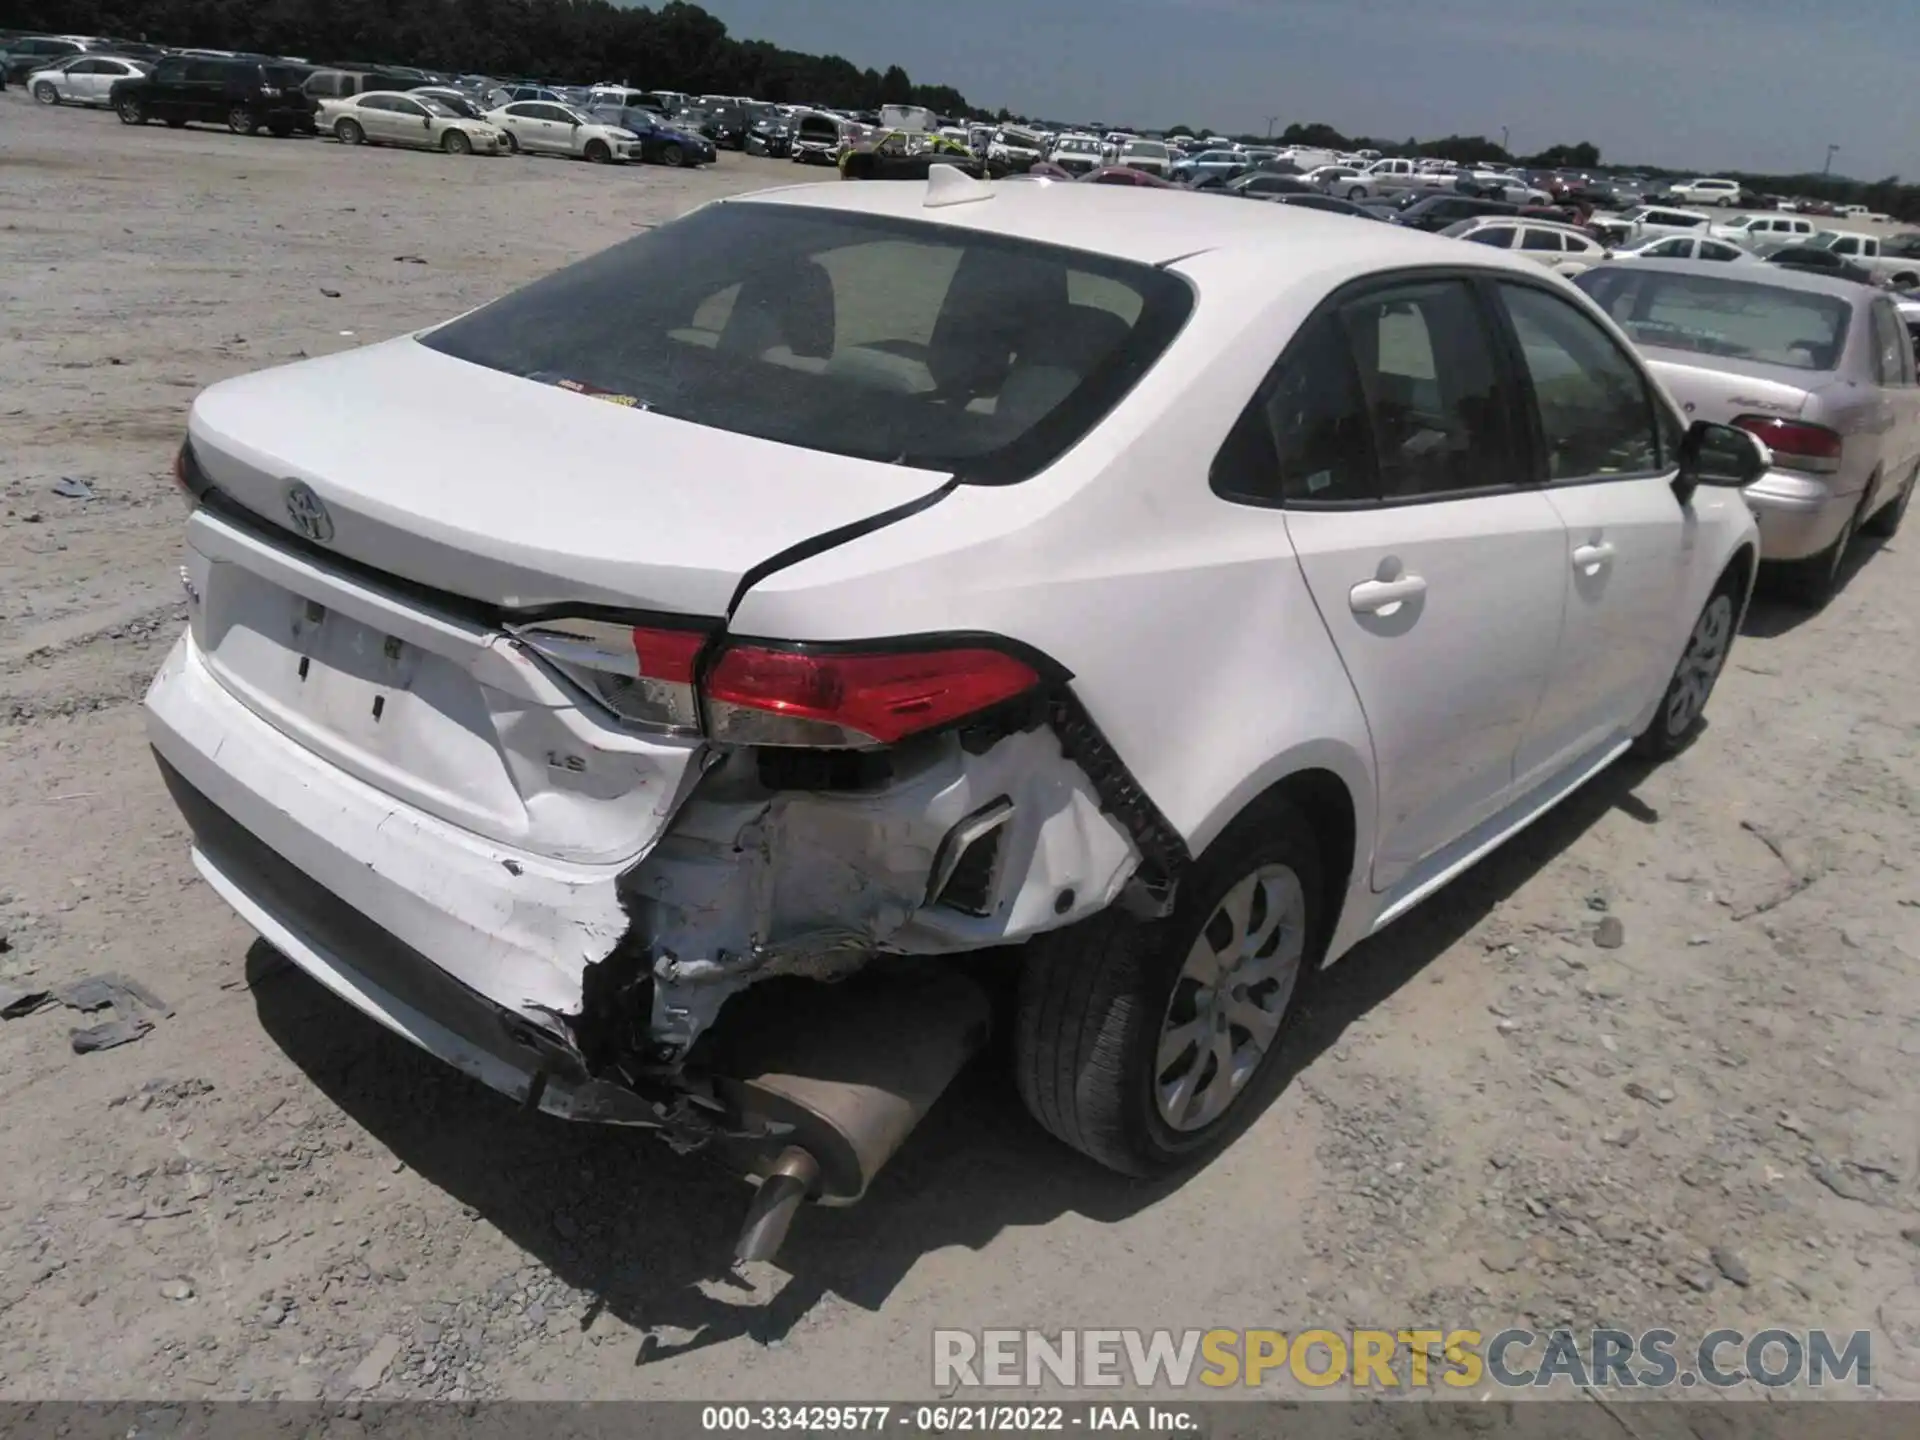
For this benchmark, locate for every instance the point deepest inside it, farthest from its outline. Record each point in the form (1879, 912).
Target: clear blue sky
(1717, 84)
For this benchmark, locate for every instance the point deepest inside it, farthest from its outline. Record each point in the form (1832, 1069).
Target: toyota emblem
(307, 512)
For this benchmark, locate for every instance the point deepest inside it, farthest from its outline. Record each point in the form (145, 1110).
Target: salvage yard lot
(1710, 1123)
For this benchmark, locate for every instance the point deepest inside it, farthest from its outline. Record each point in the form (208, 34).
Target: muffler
(851, 1068)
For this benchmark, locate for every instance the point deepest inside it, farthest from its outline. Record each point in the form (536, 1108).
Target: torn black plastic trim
(1164, 855)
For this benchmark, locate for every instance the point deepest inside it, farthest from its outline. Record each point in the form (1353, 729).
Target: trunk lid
(516, 494)
(1721, 388)
(460, 492)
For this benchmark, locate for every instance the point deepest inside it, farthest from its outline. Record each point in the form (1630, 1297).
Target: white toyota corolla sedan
(845, 578)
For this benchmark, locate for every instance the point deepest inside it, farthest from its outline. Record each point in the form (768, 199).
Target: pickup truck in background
(1894, 261)
(1390, 177)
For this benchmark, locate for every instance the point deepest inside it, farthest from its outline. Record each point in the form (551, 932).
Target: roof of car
(1146, 225)
(1780, 277)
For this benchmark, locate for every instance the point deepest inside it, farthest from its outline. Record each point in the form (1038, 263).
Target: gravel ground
(1651, 1064)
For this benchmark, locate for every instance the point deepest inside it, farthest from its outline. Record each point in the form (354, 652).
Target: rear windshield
(886, 339)
(1738, 319)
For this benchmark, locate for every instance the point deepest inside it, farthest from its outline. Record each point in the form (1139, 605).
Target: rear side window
(1500, 237)
(1891, 362)
(203, 72)
(1719, 315)
(881, 338)
(1541, 240)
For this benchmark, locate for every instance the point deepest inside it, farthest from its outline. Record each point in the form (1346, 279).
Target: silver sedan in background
(1820, 369)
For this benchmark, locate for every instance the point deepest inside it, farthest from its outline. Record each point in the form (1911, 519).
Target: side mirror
(1720, 455)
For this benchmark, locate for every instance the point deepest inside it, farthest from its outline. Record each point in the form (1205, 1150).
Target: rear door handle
(1592, 557)
(1370, 597)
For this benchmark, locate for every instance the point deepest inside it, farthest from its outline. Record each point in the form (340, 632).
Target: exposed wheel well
(1322, 797)
(1741, 566)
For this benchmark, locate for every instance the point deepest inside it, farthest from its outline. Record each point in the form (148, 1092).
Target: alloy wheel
(45, 93)
(1230, 997)
(1700, 665)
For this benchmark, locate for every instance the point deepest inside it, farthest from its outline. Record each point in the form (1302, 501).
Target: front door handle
(1370, 597)
(1591, 557)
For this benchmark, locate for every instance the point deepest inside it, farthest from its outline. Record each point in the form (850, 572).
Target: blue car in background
(661, 143)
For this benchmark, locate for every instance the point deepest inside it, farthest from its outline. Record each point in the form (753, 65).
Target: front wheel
(673, 156)
(240, 121)
(455, 142)
(1145, 1044)
(1678, 719)
(598, 152)
(348, 132)
(508, 143)
(46, 93)
(131, 112)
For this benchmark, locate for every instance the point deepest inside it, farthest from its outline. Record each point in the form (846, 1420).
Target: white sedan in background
(420, 122)
(82, 79)
(877, 525)
(1564, 249)
(1689, 247)
(541, 127)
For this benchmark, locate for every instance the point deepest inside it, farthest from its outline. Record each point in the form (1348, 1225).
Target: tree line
(677, 46)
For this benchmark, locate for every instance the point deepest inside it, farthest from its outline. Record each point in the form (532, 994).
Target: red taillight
(1797, 444)
(759, 696)
(642, 674)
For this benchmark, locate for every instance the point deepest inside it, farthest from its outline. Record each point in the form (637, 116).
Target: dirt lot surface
(1708, 1121)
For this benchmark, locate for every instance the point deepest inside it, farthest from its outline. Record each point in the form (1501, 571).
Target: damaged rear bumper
(586, 989)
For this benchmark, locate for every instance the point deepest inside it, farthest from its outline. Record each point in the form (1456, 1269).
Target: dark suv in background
(243, 95)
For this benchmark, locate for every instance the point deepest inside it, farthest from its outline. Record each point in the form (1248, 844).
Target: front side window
(205, 72)
(885, 339)
(409, 107)
(1595, 414)
(1500, 237)
(1541, 240)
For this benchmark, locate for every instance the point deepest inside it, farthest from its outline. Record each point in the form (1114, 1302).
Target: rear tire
(1885, 522)
(1125, 1026)
(348, 132)
(240, 121)
(598, 152)
(455, 142)
(1677, 720)
(131, 112)
(46, 93)
(1357, 193)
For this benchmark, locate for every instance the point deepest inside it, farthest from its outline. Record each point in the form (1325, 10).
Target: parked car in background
(817, 140)
(1563, 249)
(1387, 177)
(1436, 212)
(1649, 222)
(772, 136)
(1901, 270)
(1332, 204)
(547, 93)
(725, 126)
(540, 128)
(1689, 247)
(1260, 185)
(936, 500)
(1078, 154)
(28, 53)
(458, 101)
(82, 79)
(244, 95)
(1706, 192)
(1500, 185)
(1327, 178)
(1821, 370)
(1766, 228)
(337, 84)
(1127, 175)
(658, 142)
(1209, 165)
(1149, 155)
(1821, 261)
(410, 120)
